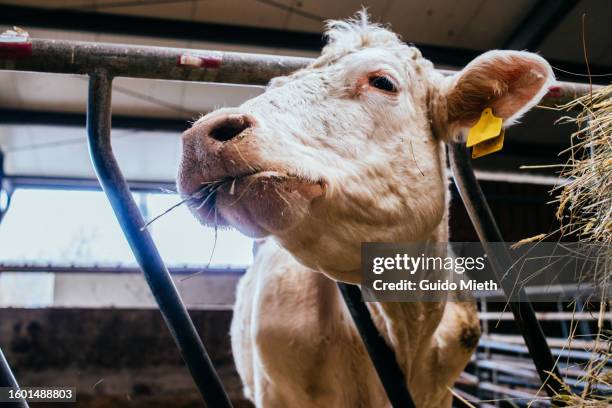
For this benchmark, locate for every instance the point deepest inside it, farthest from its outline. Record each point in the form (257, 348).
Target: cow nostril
(229, 128)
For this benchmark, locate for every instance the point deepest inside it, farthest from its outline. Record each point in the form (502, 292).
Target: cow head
(350, 148)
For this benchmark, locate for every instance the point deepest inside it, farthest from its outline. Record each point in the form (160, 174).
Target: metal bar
(565, 289)
(518, 396)
(473, 400)
(97, 22)
(20, 181)
(75, 57)
(7, 379)
(5, 190)
(143, 247)
(546, 316)
(488, 233)
(538, 24)
(569, 368)
(389, 372)
(577, 386)
(101, 269)
(555, 342)
(521, 349)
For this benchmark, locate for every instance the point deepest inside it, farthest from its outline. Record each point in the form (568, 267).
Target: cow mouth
(203, 202)
(249, 200)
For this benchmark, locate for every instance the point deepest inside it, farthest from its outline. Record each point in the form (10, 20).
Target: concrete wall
(114, 357)
(211, 290)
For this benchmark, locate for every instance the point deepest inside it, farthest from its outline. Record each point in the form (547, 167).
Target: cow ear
(508, 82)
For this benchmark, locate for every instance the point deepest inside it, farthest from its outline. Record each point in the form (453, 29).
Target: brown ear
(508, 82)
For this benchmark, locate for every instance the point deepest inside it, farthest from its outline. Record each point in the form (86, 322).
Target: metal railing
(103, 62)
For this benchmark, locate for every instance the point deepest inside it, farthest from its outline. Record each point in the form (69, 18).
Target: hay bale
(585, 201)
(585, 212)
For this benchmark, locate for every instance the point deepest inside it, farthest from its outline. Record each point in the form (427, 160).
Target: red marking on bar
(199, 61)
(15, 50)
(554, 92)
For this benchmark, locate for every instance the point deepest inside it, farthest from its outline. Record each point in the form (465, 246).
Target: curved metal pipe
(488, 232)
(118, 193)
(382, 356)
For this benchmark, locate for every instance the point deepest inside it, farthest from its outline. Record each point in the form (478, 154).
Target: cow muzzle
(227, 181)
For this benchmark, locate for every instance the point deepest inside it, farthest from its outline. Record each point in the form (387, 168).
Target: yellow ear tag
(488, 146)
(487, 127)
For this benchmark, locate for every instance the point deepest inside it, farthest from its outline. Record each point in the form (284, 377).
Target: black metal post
(144, 249)
(8, 380)
(2, 209)
(383, 357)
(501, 262)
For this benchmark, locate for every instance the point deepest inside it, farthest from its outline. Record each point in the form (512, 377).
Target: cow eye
(383, 83)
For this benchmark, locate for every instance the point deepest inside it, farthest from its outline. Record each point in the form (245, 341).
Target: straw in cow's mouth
(199, 198)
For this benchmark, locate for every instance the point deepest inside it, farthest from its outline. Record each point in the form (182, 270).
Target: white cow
(348, 150)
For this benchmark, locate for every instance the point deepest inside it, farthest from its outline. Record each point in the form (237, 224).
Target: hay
(585, 201)
(196, 200)
(585, 213)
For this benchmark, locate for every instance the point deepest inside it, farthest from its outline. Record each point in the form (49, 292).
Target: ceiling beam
(91, 21)
(25, 181)
(543, 18)
(70, 119)
(88, 21)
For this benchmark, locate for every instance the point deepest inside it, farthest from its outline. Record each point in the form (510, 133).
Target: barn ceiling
(447, 29)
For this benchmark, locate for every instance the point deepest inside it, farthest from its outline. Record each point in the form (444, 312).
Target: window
(74, 227)
(78, 227)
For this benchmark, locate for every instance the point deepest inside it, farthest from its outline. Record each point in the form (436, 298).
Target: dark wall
(123, 358)
(521, 211)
